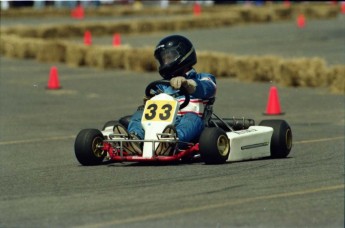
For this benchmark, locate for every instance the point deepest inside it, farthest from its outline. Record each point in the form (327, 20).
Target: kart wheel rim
(288, 139)
(97, 144)
(223, 145)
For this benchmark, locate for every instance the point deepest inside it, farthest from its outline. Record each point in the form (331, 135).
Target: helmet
(174, 54)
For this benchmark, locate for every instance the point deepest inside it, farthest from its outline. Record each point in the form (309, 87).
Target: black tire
(281, 141)
(214, 146)
(86, 147)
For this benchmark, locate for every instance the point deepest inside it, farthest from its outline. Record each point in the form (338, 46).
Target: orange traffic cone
(116, 40)
(78, 12)
(87, 38)
(273, 105)
(287, 3)
(53, 82)
(301, 22)
(197, 9)
(343, 7)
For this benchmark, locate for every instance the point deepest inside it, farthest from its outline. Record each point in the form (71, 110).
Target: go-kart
(222, 140)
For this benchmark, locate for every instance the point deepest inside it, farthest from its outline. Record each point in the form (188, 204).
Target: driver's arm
(205, 85)
(206, 88)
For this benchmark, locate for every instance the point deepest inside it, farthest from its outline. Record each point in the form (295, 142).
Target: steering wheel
(181, 92)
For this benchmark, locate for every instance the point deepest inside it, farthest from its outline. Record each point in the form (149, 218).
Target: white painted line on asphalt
(183, 211)
(57, 138)
(319, 140)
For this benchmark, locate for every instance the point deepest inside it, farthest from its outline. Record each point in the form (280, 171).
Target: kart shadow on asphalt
(182, 163)
(149, 163)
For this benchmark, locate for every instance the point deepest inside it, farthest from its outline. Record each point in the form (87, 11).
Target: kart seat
(224, 123)
(125, 121)
(208, 111)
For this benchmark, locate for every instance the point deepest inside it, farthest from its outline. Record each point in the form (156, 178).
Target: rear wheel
(110, 124)
(88, 147)
(214, 146)
(281, 141)
(124, 121)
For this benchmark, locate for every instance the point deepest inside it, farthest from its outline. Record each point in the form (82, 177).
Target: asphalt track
(42, 184)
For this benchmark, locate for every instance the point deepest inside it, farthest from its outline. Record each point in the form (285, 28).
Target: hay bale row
(221, 17)
(312, 10)
(297, 72)
(99, 11)
(124, 27)
(288, 72)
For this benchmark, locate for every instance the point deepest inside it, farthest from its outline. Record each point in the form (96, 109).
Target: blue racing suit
(189, 124)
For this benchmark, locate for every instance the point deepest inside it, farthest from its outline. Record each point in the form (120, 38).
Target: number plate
(158, 110)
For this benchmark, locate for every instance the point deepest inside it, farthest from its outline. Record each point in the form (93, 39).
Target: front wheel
(214, 146)
(281, 141)
(88, 147)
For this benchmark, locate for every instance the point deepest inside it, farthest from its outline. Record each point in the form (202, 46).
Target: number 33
(164, 112)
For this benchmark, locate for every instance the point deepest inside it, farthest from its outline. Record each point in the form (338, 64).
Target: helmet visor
(168, 56)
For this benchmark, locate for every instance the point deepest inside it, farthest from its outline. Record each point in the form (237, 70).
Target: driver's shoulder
(200, 75)
(204, 76)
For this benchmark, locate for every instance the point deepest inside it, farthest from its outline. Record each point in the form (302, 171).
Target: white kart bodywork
(153, 128)
(252, 143)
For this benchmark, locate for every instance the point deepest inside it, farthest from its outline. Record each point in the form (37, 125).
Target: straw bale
(227, 66)
(106, 57)
(228, 19)
(289, 73)
(218, 64)
(27, 47)
(140, 60)
(283, 13)
(9, 45)
(32, 12)
(115, 56)
(17, 47)
(303, 72)
(145, 27)
(245, 68)
(51, 51)
(254, 15)
(47, 31)
(94, 56)
(312, 71)
(124, 28)
(75, 54)
(97, 29)
(319, 11)
(336, 79)
(23, 31)
(67, 30)
(31, 48)
(204, 62)
(167, 25)
(267, 68)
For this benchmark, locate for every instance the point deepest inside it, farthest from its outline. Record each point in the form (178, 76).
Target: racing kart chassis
(272, 138)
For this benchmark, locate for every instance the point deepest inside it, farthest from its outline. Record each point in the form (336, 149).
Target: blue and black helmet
(174, 54)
